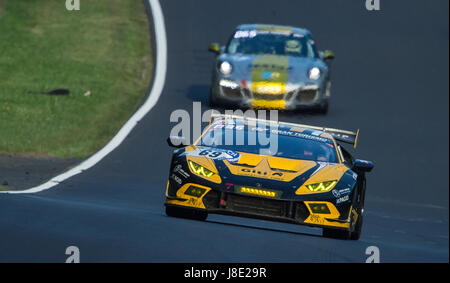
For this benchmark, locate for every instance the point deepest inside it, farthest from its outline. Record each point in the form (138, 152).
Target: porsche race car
(308, 178)
(271, 67)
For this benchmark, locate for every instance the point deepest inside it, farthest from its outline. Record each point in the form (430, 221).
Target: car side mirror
(177, 142)
(328, 55)
(362, 165)
(214, 48)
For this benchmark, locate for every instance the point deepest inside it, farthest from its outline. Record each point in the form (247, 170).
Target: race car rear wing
(339, 135)
(344, 136)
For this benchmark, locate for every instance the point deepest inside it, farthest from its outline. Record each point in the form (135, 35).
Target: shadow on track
(264, 228)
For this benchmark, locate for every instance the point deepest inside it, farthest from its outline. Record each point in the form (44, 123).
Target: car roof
(296, 30)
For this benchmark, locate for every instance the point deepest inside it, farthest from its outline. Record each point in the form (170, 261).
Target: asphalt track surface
(390, 79)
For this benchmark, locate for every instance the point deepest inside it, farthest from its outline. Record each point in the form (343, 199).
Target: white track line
(158, 85)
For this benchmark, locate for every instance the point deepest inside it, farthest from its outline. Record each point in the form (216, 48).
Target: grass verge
(103, 49)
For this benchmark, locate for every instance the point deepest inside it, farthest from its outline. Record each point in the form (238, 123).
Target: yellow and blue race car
(306, 178)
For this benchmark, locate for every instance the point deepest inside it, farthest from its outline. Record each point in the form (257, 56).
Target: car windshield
(288, 143)
(259, 42)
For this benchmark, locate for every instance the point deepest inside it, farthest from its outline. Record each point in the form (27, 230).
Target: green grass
(2, 188)
(104, 48)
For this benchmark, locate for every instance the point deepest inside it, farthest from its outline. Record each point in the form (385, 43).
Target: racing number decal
(210, 153)
(215, 154)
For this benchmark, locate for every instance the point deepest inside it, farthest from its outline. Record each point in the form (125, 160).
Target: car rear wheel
(181, 212)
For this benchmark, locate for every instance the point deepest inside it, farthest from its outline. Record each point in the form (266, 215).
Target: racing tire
(187, 213)
(356, 233)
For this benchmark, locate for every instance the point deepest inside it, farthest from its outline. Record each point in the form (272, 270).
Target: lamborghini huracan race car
(271, 67)
(308, 179)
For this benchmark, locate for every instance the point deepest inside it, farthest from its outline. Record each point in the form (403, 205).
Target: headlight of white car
(225, 68)
(314, 73)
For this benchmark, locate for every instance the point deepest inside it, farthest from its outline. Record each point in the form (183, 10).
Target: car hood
(271, 68)
(267, 171)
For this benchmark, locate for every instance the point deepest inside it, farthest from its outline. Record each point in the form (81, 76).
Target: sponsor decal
(342, 136)
(215, 154)
(270, 75)
(176, 179)
(266, 75)
(342, 199)
(316, 219)
(255, 32)
(300, 135)
(245, 34)
(179, 170)
(291, 133)
(229, 126)
(339, 193)
(272, 69)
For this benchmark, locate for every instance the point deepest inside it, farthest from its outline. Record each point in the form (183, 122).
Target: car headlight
(314, 73)
(199, 169)
(322, 186)
(225, 68)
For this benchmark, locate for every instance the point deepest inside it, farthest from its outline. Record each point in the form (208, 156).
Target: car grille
(308, 95)
(301, 211)
(231, 92)
(211, 200)
(289, 95)
(290, 210)
(268, 96)
(255, 205)
(246, 92)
